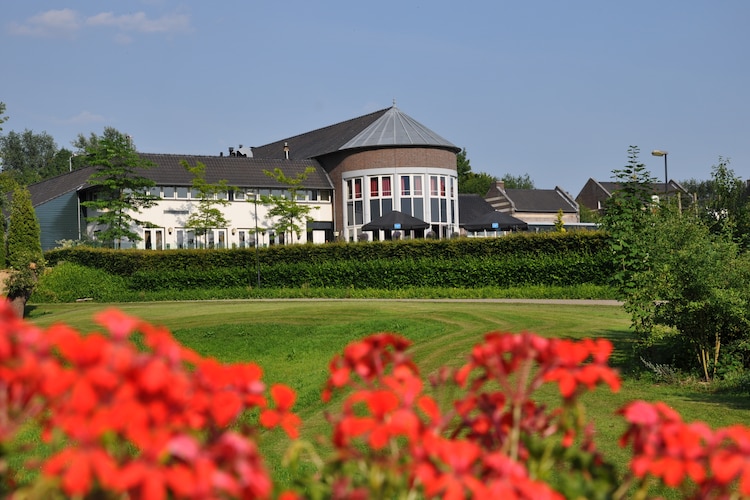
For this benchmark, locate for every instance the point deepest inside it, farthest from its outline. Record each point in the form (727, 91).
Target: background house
(537, 207)
(594, 193)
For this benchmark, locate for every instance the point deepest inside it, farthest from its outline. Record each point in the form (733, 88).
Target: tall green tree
(728, 211)
(208, 214)
(517, 181)
(471, 182)
(463, 166)
(31, 157)
(24, 252)
(626, 220)
(122, 191)
(85, 144)
(289, 216)
(723, 201)
(3, 118)
(24, 244)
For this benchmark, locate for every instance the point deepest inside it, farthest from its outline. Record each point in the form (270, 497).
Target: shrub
(67, 282)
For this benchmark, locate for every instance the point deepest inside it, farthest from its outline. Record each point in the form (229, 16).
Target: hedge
(129, 262)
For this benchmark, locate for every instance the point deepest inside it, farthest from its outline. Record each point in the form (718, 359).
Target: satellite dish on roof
(243, 151)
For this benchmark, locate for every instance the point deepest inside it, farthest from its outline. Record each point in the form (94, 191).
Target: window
(239, 195)
(155, 191)
(374, 191)
(168, 192)
(433, 185)
(325, 195)
(417, 185)
(405, 185)
(386, 186)
(182, 193)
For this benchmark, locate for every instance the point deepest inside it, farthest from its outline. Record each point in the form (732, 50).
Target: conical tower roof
(395, 128)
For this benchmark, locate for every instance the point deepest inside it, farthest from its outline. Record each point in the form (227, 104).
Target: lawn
(293, 340)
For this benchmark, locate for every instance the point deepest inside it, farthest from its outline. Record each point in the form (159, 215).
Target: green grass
(293, 340)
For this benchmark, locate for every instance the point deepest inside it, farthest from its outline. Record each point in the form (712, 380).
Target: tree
(3, 118)
(24, 255)
(471, 182)
(31, 157)
(559, 222)
(626, 220)
(463, 166)
(121, 190)
(727, 211)
(209, 214)
(84, 144)
(517, 181)
(286, 211)
(698, 281)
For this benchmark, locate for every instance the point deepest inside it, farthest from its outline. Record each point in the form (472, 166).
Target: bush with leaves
(697, 283)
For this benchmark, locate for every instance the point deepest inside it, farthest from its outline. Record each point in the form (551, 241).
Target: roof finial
(394, 102)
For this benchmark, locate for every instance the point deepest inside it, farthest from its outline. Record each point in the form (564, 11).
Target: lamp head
(658, 152)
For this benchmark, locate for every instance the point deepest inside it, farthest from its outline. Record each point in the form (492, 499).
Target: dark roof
(656, 187)
(471, 206)
(236, 170)
(476, 214)
(54, 187)
(539, 200)
(384, 128)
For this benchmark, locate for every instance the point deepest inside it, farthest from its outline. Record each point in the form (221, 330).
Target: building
(377, 163)
(539, 208)
(363, 168)
(594, 194)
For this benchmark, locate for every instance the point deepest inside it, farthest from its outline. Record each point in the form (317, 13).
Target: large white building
(363, 169)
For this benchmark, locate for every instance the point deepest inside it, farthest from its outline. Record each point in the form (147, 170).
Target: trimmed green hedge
(128, 262)
(548, 259)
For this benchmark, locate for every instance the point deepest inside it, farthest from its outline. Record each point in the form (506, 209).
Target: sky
(554, 89)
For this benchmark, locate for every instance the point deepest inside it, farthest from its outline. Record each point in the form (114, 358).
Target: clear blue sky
(556, 89)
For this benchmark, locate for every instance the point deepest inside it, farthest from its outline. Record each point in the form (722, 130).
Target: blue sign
(495, 225)
(397, 225)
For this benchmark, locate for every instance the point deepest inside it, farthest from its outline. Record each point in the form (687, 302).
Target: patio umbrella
(495, 221)
(395, 220)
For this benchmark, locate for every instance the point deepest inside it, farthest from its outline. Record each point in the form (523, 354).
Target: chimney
(500, 185)
(286, 150)
(231, 151)
(221, 153)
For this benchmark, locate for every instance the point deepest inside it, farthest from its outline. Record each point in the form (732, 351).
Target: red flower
(284, 398)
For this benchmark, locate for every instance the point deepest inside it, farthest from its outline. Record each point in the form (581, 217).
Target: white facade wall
(169, 216)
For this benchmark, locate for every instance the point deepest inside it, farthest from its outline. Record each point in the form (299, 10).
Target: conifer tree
(24, 243)
(24, 251)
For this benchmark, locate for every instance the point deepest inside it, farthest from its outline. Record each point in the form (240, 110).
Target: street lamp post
(70, 161)
(658, 152)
